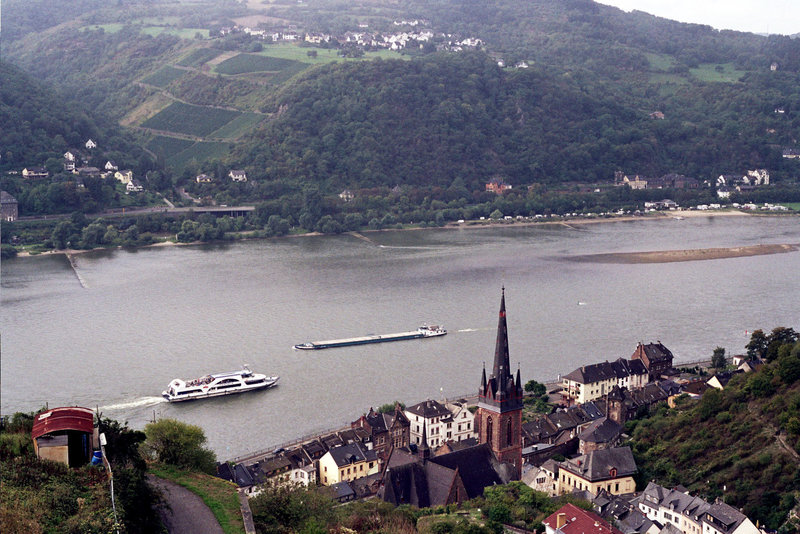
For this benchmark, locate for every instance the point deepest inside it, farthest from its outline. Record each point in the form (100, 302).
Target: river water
(113, 329)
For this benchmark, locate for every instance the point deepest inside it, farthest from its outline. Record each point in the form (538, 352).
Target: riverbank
(466, 225)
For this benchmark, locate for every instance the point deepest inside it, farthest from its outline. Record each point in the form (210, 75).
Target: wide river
(115, 328)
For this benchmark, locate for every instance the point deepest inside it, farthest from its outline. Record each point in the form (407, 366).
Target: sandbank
(668, 256)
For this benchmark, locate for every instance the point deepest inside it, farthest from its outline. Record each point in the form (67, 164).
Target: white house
(692, 515)
(134, 186)
(440, 422)
(124, 176)
(591, 382)
(91, 144)
(111, 166)
(237, 176)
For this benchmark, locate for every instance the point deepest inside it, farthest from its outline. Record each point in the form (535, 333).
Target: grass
(190, 119)
(219, 495)
(238, 126)
(183, 33)
(199, 56)
(324, 55)
(792, 205)
(660, 62)
(713, 72)
(164, 76)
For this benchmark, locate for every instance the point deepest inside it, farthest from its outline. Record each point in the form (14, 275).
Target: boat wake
(473, 329)
(144, 401)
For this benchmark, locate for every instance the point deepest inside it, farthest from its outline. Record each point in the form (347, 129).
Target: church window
(489, 424)
(509, 434)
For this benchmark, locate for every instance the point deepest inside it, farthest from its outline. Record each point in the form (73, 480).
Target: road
(184, 512)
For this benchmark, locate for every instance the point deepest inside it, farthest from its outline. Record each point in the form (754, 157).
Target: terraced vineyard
(188, 119)
(164, 76)
(200, 151)
(168, 147)
(238, 126)
(198, 57)
(246, 63)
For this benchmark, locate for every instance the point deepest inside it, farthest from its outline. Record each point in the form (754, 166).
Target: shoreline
(468, 225)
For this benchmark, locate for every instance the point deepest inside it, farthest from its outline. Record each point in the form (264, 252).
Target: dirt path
(185, 512)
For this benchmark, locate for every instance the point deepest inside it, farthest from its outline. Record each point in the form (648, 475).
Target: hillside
(740, 444)
(447, 116)
(577, 109)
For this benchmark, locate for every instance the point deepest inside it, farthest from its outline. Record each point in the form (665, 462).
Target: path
(185, 512)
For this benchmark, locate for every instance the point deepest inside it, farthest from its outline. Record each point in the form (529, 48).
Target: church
(415, 476)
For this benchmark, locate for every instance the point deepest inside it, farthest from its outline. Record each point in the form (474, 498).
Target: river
(113, 328)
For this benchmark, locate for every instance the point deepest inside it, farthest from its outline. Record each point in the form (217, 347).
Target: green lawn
(183, 33)
(219, 495)
(661, 62)
(164, 76)
(792, 205)
(324, 55)
(713, 72)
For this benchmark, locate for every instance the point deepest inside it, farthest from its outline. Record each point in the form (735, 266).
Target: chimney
(561, 520)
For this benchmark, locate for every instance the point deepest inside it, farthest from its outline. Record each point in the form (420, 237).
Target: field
(200, 151)
(184, 33)
(723, 72)
(660, 62)
(245, 63)
(168, 146)
(238, 126)
(792, 205)
(198, 57)
(188, 119)
(164, 76)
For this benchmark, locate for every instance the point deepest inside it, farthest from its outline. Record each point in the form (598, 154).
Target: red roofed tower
(499, 416)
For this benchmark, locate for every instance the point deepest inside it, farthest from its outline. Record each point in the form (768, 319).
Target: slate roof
(477, 466)
(601, 431)
(726, 518)
(597, 465)
(619, 369)
(429, 409)
(6, 198)
(341, 491)
(351, 453)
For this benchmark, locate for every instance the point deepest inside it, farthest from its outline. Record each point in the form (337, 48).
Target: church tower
(499, 416)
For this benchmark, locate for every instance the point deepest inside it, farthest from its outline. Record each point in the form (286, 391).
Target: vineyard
(188, 119)
(245, 63)
(198, 57)
(164, 76)
(168, 147)
(200, 151)
(238, 126)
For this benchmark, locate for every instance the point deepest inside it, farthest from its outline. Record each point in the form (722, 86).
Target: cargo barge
(423, 331)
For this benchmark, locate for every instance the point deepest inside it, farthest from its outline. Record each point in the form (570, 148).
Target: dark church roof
(477, 466)
(501, 391)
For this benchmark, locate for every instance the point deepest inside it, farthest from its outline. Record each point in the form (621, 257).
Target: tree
(173, 442)
(496, 214)
(536, 388)
(718, 360)
(757, 347)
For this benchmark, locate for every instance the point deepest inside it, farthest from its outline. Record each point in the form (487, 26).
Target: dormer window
(613, 472)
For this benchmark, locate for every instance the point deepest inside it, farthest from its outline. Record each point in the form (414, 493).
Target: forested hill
(459, 116)
(34, 122)
(37, 125)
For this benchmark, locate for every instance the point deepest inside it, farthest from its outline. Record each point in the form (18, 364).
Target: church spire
(501, 368)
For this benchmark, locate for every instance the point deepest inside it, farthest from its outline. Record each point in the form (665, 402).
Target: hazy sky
(757, 16)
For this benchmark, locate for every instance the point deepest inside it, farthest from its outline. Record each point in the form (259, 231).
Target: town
(445, 453)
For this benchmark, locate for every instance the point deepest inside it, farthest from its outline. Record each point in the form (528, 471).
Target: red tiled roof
(579, 521)
(57, 419)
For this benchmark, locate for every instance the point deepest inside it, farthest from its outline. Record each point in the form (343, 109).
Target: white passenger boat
(217, 385)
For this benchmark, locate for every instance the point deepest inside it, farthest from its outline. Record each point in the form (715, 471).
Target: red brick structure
(499, 416)
(655, 356)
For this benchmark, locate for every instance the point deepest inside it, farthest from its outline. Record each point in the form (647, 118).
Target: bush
(179, 444)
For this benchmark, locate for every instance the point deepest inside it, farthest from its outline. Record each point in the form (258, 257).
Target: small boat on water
(217, 385)
(422, 332)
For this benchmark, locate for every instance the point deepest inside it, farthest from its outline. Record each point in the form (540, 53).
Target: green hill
(740, 444)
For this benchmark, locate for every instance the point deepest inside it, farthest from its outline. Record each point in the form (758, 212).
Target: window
(489, 424)
(370, 464)
(509, 434)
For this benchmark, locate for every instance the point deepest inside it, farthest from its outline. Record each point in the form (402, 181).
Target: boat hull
(271, 382)
(367, 340)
